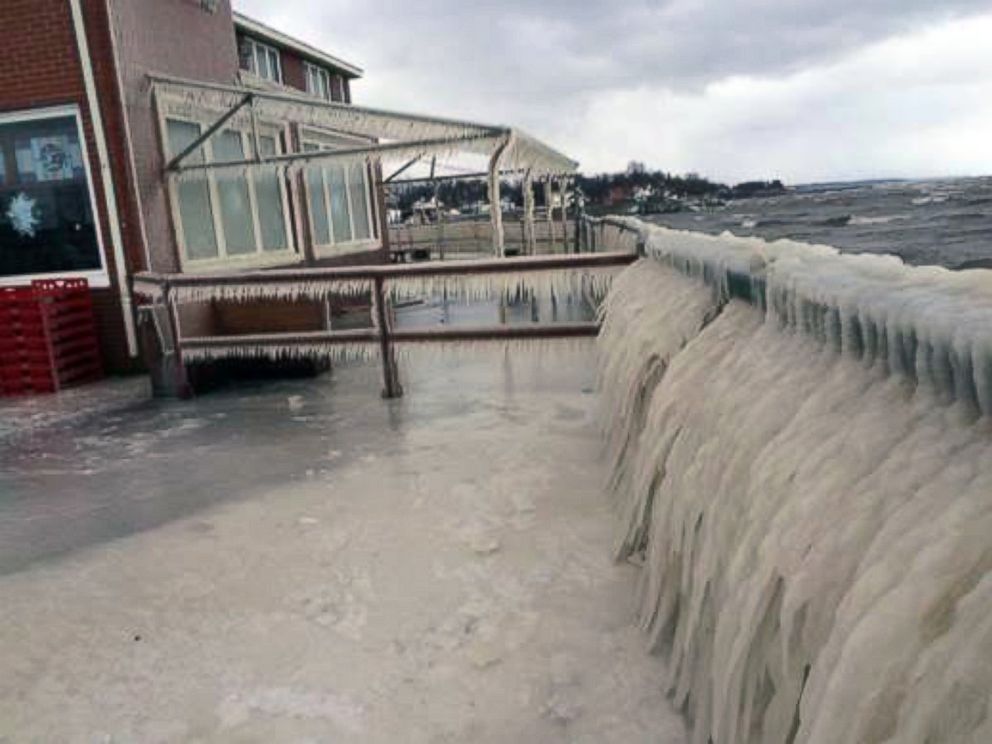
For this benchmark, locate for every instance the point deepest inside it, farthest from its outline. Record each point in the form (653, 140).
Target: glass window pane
(315, 199)
(261, 62)
(270, 205)
(339, 203)
(193, 194)
(274, 66)
(359, 200)
(46, 218)
(232, 190)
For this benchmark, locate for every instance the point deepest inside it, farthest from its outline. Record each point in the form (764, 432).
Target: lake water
(947, 222)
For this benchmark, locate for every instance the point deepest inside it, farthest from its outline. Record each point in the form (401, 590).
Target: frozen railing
(449, 237)
(554, 276)
(929, 324)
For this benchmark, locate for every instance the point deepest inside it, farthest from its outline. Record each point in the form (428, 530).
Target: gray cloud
(542, 65)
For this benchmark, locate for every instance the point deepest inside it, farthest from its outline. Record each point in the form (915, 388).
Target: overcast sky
(803, 90)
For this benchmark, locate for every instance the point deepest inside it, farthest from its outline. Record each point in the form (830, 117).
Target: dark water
(925, 222)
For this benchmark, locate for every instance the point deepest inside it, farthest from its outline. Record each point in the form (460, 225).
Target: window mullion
(368, 200)
(284, 189)
(215, 208)
(327, 201)
(347, 193)
(253, 198)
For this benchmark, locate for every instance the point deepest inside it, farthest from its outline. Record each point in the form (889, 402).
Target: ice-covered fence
(930, 324)
(461, 236)
(803, 463)
(506, 278)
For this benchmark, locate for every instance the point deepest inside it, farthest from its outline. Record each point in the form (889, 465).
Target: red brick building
(178, 137)
(82, 156)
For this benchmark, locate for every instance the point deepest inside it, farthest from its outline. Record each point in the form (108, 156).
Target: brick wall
(39, 67)
(293, 72)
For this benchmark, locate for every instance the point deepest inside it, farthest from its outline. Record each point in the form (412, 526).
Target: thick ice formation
(641, 331)
(814, 525)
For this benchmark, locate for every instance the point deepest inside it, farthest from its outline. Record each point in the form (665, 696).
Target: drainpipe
(109, 192)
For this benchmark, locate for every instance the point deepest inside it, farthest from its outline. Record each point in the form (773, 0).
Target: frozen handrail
(930, 324)
(557, 276)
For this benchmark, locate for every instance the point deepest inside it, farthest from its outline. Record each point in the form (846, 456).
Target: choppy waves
(946, 223)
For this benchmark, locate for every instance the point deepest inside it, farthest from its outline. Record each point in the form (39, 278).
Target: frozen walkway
(304, 562)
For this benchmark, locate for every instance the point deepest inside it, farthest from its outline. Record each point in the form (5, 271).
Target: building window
(47, 218)
(261, 59)
(227, 217)
(318, 81)
(339, 204)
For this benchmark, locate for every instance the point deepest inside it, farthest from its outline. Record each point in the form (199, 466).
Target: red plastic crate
(47, 337)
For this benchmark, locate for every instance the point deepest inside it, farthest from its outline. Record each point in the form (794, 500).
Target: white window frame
(331, 142)
(315, 73)
(260, 47)
(223, 260)
(97, 278)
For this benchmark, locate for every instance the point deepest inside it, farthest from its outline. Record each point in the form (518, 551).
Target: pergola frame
(390, 134)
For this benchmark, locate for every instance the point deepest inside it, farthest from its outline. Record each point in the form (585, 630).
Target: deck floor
(301, 561)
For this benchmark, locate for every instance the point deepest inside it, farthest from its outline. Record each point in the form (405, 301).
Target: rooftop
(264, 32)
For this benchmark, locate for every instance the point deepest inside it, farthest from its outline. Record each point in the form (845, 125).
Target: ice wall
(812, 503)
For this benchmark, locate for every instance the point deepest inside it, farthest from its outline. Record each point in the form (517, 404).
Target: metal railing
(166, 292)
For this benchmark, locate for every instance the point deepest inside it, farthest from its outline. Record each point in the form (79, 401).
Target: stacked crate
(48, 337)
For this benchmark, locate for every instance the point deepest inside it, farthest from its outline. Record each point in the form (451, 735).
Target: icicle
(590, 283)
(426, 352)
(143, 288)
(302, 288)
(352, 351)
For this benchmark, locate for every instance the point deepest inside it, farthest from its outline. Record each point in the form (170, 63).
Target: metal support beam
(580, 329)
(196, 144)
(402, 169)
(495, 204)
(456, 176)
(347, 153)
(276, 277)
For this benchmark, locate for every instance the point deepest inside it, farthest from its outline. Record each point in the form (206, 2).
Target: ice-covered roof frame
(390, 134)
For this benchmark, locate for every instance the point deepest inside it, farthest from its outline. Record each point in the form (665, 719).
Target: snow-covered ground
(303, 561)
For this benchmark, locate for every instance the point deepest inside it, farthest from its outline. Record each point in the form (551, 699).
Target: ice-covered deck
(302, 561)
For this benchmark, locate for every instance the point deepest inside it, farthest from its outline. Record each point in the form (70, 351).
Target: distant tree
(666, 189)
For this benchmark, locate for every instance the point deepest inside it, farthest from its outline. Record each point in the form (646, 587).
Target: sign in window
(47, 219)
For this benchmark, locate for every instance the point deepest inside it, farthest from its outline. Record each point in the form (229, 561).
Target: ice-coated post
(529, 241)
(495, 207)
(391, 387)
(548, 214)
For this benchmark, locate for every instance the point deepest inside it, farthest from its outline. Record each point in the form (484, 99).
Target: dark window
(46, 214)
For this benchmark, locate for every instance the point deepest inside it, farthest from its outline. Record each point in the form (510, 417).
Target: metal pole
(211, 130)
(563, 196)
(391, 387)
(549, 215)
(528, 186)
(495, 208)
